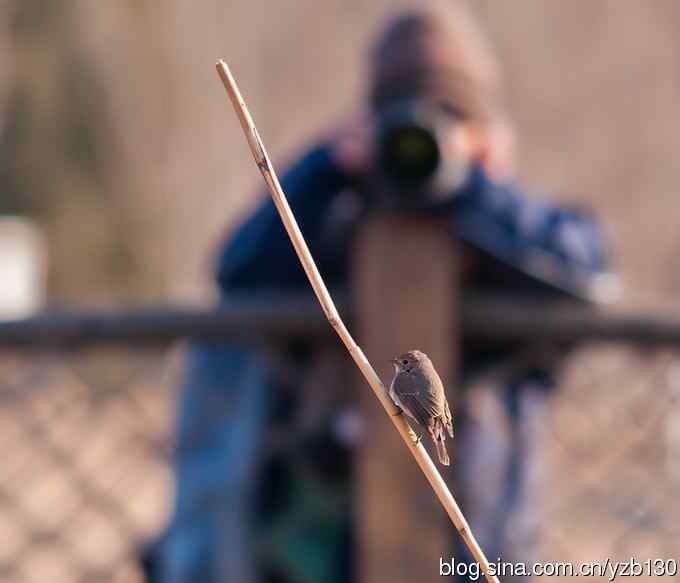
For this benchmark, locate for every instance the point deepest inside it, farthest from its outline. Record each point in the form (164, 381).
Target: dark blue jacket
(519, 243)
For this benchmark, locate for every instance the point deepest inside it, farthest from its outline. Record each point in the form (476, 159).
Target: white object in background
(22, 267)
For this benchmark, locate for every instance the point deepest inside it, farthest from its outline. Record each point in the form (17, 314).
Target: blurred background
(126, 165)
(116, 137)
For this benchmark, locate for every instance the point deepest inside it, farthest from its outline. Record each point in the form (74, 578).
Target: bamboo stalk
(415, 447)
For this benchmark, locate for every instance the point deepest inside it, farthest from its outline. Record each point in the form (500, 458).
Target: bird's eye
(404, 362)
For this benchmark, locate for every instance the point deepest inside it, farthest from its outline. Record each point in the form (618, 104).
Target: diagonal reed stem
(417, 450)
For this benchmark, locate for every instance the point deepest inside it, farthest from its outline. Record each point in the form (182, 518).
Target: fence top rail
(492, 319)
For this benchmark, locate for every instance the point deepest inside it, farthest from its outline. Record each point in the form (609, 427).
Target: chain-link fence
(83, 478)
(615, 452)
(85, 436)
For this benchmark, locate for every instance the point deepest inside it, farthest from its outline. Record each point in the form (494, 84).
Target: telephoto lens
(415, 169)
(409, 153)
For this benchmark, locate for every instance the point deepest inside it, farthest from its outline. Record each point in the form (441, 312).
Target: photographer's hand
(351, 144)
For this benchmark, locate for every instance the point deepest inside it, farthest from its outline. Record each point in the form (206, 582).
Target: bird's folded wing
(419, 403)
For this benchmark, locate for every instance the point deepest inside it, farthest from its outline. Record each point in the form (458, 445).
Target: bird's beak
(394, 361)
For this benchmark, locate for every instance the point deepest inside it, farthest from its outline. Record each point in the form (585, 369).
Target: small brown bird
(418, 391)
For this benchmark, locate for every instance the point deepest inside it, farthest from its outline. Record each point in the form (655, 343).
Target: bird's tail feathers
(441, 452)
(448, 420)
(438, 430)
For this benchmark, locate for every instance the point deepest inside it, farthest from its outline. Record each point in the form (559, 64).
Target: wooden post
(404, 285)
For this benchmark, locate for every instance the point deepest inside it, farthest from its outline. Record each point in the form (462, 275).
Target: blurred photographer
(256, 499)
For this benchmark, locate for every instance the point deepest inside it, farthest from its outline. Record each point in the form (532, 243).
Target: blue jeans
(222, 407)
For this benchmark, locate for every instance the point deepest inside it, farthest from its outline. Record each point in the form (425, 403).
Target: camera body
(416, 167)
